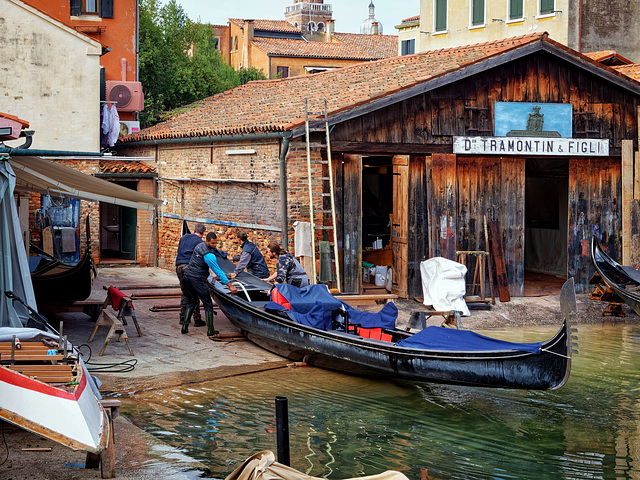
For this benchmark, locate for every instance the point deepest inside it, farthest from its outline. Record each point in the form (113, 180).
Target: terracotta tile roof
(377, 46)
(411, 19)
(278, 105)
(605, 56)
(123, 166)
(8, 116)
(631, 70)
(301, 48)
(269, 25)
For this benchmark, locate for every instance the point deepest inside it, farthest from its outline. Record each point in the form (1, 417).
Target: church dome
(367, 26)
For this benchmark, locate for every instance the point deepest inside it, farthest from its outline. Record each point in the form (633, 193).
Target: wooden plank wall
(442, 205)
(352, 224)
(594, 209)
(635, 234)
(512, 191)
(418, 225)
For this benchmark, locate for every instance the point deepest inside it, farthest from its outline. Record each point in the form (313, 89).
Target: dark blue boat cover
(312, 306)
(303, 300)
(440, 338)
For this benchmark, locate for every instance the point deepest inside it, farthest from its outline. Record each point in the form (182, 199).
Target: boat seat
(375, 333)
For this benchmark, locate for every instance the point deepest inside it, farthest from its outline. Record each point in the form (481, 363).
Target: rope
(555, 353)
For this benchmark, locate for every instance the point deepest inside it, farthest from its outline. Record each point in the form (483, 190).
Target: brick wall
(236, 203)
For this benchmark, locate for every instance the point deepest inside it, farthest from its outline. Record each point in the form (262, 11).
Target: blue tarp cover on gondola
(440, 338)
(313, 305)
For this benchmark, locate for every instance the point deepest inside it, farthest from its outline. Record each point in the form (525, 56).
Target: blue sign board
(521, 119)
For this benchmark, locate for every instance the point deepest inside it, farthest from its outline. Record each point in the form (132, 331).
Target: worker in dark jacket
(185, 248)
(251, 258)
(196, 283)
(288, 269)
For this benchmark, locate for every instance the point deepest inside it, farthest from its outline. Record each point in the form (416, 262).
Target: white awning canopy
(37, 174)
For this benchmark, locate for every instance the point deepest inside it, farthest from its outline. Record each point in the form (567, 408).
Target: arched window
(320, 27)
(312, 26)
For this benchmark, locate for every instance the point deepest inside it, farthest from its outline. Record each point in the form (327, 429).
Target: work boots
(187, 318)
(182, 310)
(197, 319)
(211, 332)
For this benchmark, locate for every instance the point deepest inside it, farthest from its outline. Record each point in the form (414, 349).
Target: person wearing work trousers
(196, 283)
(251, 258)
(185, 248)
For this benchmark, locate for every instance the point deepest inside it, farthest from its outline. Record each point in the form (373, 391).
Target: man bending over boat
(196, 284)
(288, 269)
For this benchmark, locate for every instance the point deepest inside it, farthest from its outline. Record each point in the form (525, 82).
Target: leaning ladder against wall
(331, 193)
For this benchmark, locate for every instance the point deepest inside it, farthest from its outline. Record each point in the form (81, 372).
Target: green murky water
(343, 426)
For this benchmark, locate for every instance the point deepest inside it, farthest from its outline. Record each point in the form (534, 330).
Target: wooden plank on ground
(498, 258)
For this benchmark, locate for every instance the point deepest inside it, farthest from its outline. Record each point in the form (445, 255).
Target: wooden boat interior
(42, 362)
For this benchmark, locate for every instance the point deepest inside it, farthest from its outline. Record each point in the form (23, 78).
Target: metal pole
(282, 430)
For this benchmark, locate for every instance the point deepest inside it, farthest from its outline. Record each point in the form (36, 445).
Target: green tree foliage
(179, 63)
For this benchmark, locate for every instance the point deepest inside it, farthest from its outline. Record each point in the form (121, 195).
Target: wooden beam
(636, 176)
(627, 196)
(390, 148)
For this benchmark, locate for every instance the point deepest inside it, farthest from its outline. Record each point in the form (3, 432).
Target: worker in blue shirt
(185, 248)
(196, 285)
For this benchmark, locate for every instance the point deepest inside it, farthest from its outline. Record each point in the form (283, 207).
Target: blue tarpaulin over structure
(440, 338)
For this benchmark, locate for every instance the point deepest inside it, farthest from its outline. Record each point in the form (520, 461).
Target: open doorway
(377, 202)
(118, 228)
(546, 225)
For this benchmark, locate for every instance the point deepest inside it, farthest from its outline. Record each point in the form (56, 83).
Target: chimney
(374, 28)
(247, 33)
(330, 29)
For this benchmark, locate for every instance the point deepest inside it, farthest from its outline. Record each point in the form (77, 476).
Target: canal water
(344, 426)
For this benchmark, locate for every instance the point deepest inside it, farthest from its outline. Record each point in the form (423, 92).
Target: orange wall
(118, 32)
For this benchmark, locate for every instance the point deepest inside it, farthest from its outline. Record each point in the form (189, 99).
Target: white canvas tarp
(14, 267)
(443, 285)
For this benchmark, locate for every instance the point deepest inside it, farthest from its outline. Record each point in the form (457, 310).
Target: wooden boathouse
(523, 132)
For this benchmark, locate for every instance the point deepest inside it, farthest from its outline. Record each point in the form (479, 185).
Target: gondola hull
(615, 276)
(64, 283)
(350, 353)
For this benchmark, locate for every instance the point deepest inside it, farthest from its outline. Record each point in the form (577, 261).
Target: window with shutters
(547, 7)
(408, 47)
(440, 15)
(102, 8)
(282, 72)
(477, 13)
(516, 9)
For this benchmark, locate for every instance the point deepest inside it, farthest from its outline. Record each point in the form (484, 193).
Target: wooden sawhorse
(116, 330)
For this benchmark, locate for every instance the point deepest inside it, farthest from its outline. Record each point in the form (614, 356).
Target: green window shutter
(515, 9)
(106, 8)
(441, 15)
(477, 15)
(546, 6)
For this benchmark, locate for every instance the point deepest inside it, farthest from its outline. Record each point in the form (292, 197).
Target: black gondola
(624, 281)
(547, 369)
(57, 282)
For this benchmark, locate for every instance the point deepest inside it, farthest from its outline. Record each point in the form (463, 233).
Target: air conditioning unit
(127, 127)
(128, 96)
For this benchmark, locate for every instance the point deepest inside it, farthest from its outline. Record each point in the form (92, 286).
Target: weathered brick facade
(230, 207)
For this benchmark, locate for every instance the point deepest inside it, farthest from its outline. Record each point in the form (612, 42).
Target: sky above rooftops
(348, 14)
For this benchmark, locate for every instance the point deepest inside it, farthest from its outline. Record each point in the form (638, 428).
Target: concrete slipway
(166, 358)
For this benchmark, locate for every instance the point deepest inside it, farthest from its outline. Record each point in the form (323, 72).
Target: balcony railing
(314, 7)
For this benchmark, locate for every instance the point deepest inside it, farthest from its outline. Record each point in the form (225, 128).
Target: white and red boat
(48, 391)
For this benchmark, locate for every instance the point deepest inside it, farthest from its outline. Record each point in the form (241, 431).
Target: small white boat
(48, 391)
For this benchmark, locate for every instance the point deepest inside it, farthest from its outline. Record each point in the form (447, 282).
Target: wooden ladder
(309, 117)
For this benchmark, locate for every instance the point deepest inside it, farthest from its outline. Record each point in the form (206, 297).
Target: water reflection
(343, 426)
